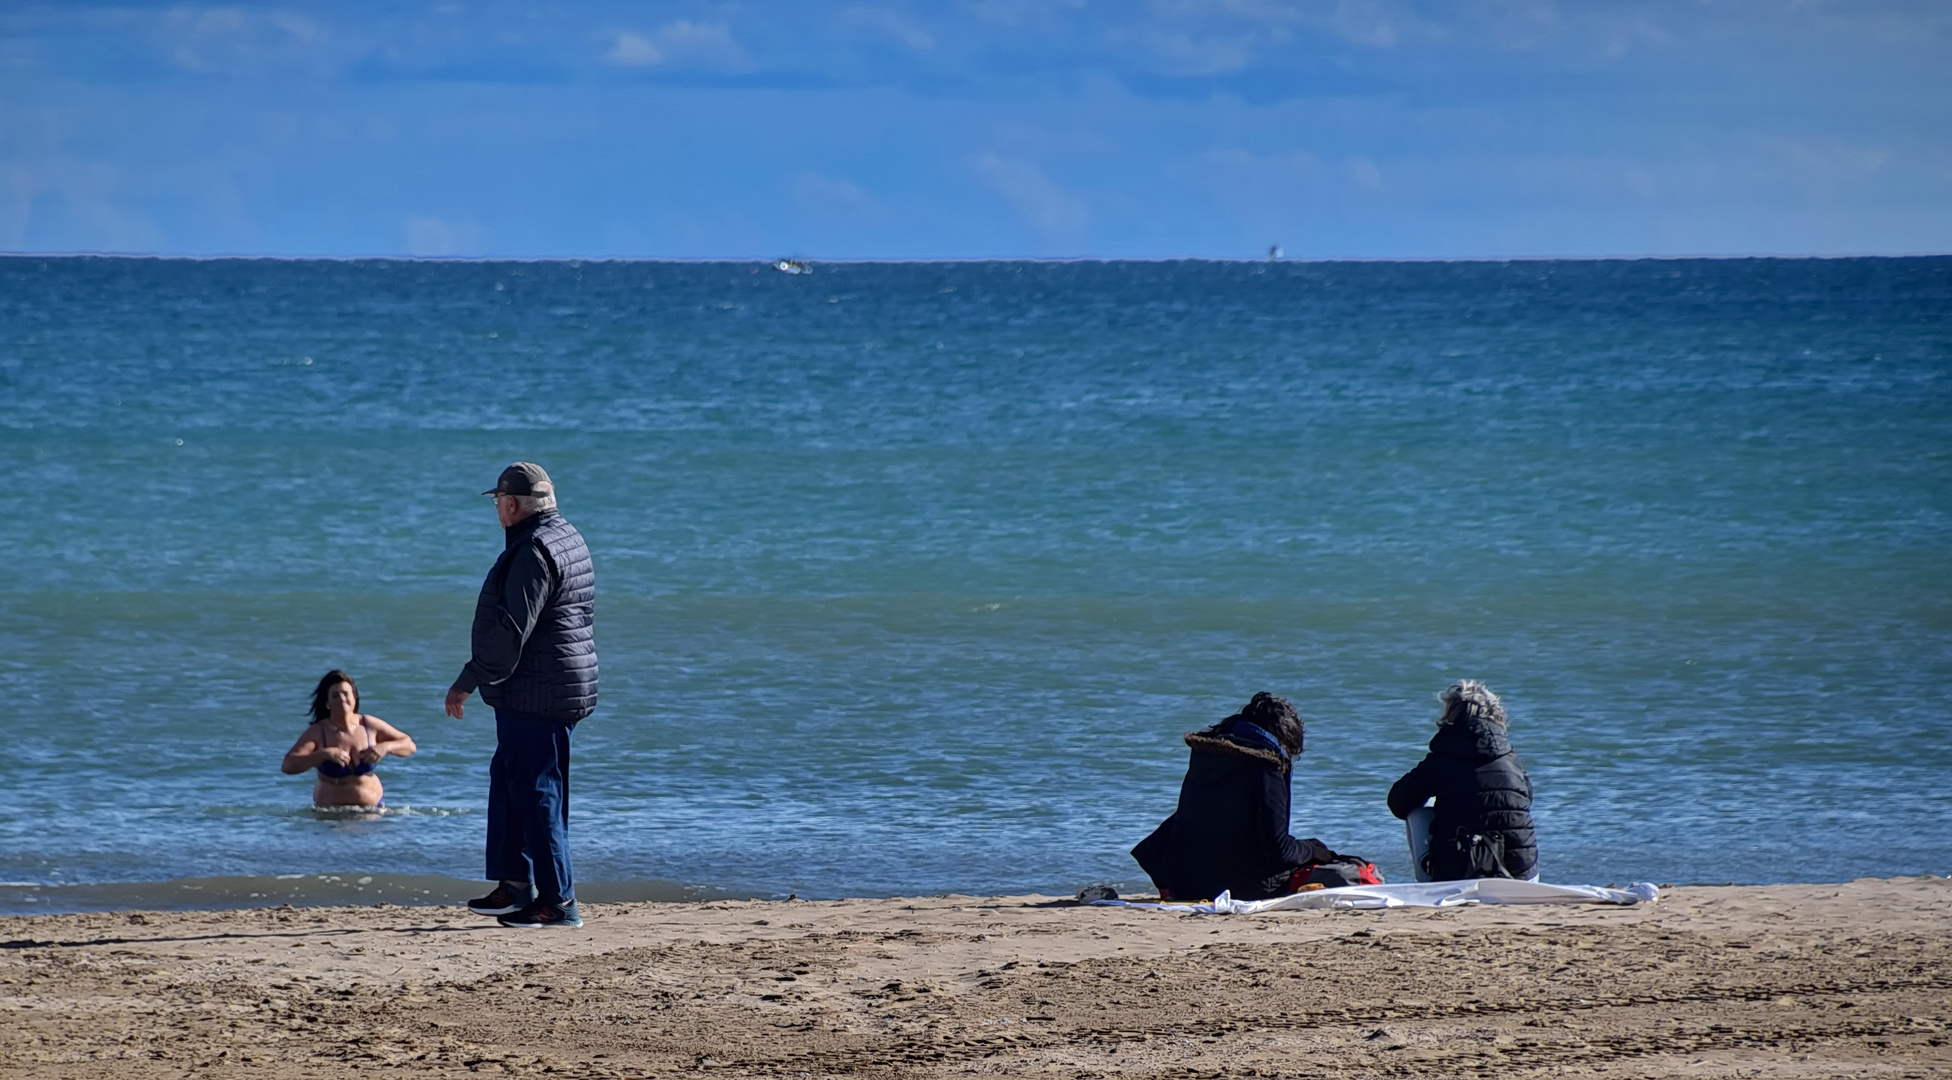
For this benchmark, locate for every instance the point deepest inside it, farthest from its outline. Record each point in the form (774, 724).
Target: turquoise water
(911, 575)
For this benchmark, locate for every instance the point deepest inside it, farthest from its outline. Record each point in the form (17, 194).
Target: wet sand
(1773, 981)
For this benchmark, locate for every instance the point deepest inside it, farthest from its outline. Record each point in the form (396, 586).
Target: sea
(911, 576)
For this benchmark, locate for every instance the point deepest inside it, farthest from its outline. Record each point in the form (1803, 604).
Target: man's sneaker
(540, 916)
(503, 900)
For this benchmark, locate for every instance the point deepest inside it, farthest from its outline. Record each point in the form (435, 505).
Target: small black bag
(1465, 856)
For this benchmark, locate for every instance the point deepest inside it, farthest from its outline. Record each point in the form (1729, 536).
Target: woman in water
(344, 745)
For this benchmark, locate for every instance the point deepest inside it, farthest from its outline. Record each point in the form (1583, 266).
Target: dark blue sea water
(912, 575)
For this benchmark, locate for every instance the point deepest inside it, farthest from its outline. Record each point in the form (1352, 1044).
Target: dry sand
(1793, 981)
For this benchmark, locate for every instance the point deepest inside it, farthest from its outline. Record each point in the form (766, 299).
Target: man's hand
(455, 699)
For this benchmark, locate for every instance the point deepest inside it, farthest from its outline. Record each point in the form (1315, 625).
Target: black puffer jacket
(1481, 789)
(1231, 829)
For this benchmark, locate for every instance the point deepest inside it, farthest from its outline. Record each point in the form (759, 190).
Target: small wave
(369, 813)
(348, 813)
(427, 811)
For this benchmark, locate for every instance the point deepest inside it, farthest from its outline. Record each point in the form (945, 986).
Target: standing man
(535, 664)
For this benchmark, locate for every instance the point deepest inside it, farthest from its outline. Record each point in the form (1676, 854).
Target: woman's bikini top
(332, 770)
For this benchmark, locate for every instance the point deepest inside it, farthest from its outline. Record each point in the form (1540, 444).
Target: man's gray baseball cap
(523, 478)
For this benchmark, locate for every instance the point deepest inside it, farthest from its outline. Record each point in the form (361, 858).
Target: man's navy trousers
(528, 804)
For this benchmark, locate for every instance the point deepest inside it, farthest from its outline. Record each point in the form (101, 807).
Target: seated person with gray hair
(1481, 825)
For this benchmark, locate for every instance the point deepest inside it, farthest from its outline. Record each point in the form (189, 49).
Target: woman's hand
(336, 755)
(389, 741)
(372, 754)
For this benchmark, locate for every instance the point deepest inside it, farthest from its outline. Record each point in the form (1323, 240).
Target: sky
(979, 128)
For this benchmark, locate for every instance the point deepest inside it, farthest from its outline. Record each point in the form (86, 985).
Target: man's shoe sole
(565, 924)
(509, 910)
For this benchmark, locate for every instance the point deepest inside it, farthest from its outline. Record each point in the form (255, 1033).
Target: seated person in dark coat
(1230, 832)
(1482, 825)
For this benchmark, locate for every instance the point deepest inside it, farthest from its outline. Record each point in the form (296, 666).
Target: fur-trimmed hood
(1210, 742)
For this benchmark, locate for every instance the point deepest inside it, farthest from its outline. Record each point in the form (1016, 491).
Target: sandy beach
(1790, 980)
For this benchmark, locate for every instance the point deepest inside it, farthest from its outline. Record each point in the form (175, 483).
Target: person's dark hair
(320, 710)
(1276, 717)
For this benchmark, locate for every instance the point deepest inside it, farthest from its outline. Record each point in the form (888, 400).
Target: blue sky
(976, 128)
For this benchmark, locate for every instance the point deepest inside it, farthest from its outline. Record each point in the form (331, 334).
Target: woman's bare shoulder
(310, 734)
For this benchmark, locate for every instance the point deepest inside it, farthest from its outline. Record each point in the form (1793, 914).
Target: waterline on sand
(302, 890)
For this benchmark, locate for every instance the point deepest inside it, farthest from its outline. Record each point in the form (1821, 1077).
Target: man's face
(507, 510)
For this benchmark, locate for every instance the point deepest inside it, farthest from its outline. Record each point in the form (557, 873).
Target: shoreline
(357, 888)
(309, 890)
(1773, 980)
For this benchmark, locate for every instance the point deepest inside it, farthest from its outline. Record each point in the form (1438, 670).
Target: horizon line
(919, 260)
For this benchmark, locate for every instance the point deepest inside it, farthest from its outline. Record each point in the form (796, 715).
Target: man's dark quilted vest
(556, 677)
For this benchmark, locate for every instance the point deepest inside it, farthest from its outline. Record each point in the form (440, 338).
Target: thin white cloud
(1365, 173)
(240, 41)
(1820, 163)
(683, 43)
(634, 50)
(17, 190)
(1367, 22)
(1639, 30)
(96, 196)
(1186, 54)
(831, 199)
(428, 236)
(1512, 24)
(1192, 38)
(1041, 202)
(891, 23)
(708, 43)
(1018, 12)
(1270, 189)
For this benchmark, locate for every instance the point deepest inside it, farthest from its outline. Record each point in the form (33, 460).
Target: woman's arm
(306, 754)
(388, 739)
(1414, 789)
(1277, 839)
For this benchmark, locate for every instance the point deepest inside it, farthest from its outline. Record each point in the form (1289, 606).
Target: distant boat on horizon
(792, 266)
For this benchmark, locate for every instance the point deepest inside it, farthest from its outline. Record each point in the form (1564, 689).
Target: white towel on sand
(1415, 894)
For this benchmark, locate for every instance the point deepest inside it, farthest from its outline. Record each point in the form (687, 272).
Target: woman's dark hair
(1276, 717)
(321, 710)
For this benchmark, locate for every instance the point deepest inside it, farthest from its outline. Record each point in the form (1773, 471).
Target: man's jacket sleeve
(526, 590)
